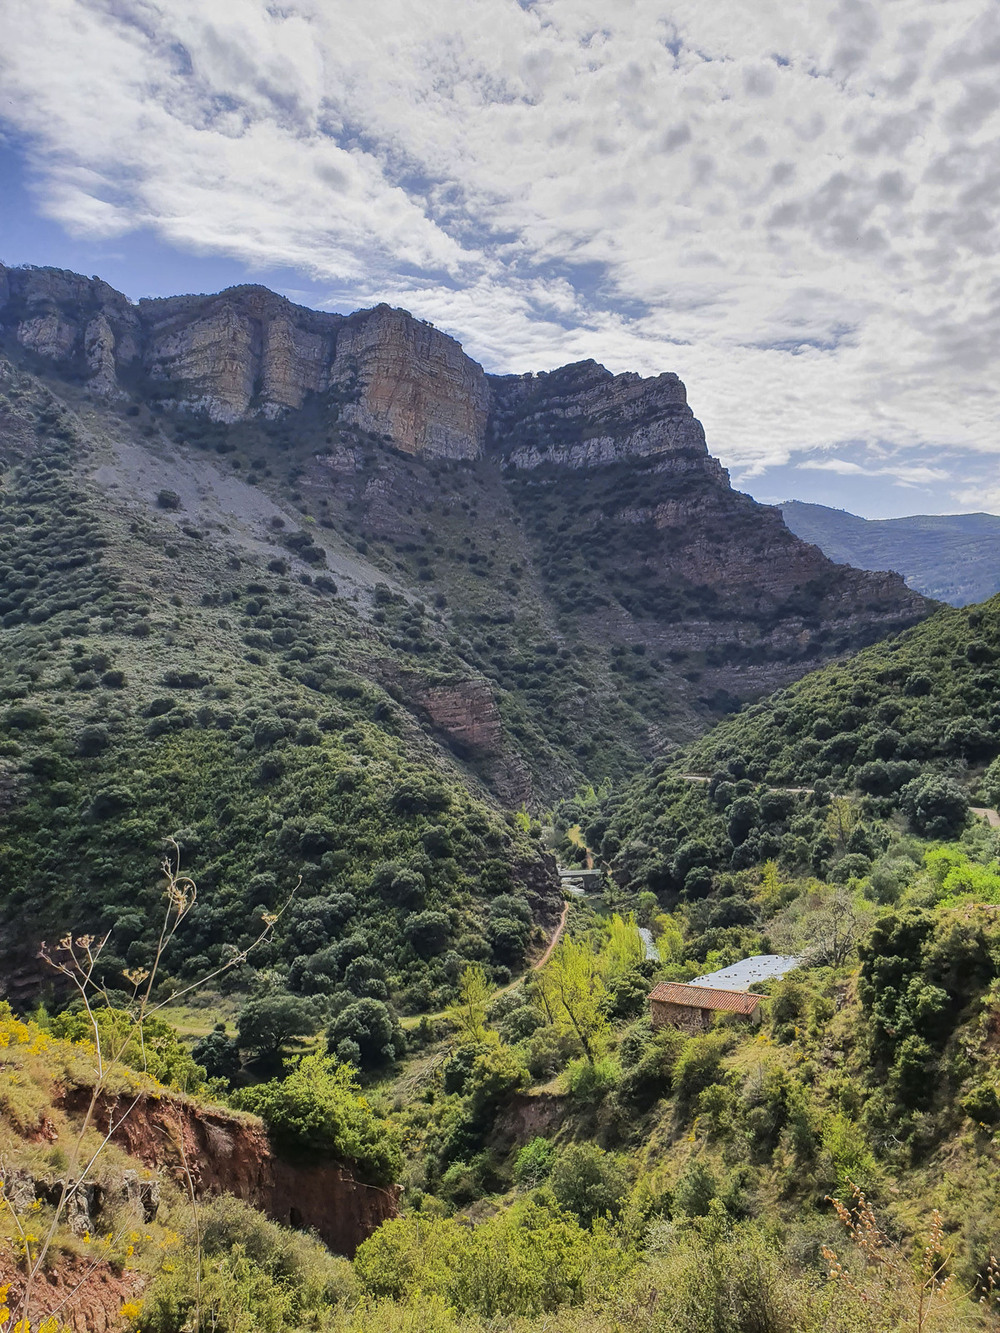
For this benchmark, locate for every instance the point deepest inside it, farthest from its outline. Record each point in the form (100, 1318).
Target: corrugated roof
(742, 975)
(705, 997)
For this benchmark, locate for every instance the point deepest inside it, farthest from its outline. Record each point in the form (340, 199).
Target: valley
(323, 651)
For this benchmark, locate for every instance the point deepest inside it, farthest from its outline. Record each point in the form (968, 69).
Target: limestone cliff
(247, 352)
(554, 522)
(583, 416)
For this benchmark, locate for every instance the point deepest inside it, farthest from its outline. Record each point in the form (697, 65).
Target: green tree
(571, 991)
(319, 1108)
(366, 1034)
(589, 1182)
(469, 1013)
(271, 1025)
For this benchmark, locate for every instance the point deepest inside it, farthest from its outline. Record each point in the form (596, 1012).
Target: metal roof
(704, 997)
(742, 975)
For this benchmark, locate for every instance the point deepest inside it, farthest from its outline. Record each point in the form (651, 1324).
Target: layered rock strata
(247, 352)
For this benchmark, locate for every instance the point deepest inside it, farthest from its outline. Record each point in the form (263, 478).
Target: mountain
(317, 598)
(952, 557)
(907, 730)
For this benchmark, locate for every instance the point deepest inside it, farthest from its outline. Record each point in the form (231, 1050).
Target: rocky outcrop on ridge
(583, 416)
(247, 352)
(574, 511)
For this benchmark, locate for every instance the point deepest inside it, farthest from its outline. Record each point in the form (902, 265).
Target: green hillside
(156, 689)
(908, 731)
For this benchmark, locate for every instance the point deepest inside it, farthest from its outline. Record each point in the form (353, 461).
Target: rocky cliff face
(583, 416)
(220, 1153)
(247, 352)
(552, 528)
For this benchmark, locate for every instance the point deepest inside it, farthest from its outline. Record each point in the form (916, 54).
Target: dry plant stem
(928, 1286)
(78, 964)
(189, 1181)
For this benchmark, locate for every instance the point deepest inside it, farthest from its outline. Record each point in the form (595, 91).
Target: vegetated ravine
(318, 598)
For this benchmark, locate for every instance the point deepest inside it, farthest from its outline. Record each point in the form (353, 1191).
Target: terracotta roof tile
(705, 997)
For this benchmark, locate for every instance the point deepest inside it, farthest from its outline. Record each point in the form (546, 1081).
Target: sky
(791, 205)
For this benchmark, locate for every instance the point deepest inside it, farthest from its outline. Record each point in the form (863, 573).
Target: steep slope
(313, 594)
(952, 557)
(907, 732)
(571, 511)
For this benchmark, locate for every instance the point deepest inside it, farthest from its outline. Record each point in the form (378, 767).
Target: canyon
(599, 488)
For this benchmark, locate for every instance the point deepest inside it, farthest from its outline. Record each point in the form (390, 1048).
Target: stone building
(692, 1008)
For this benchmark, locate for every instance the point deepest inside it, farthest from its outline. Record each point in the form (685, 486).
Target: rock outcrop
(583, 416)
(588, 496)
(247, 352)
(419, 387)
(217, 1152)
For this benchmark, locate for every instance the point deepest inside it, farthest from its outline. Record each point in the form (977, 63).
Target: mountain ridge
(954, 558)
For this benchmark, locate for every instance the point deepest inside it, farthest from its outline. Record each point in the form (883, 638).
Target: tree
(835, 930)
(589, 1182)
(624, 949)
(474, 992)
(840, 820)
(571, 991)
(427, 931)
(935, 806)
(218, 1054)
(271, 1024)
(366, 1034)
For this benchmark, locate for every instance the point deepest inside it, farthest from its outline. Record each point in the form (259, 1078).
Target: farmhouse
(692, 1008)
(692, 1005)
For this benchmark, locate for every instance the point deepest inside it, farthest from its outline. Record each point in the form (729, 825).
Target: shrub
(589, 1182)
(935, 806)
(318, 1108)
(372, 1031)
(534, 1162)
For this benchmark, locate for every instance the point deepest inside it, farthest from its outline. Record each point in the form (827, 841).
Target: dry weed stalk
(928, 1289)
(77, 961)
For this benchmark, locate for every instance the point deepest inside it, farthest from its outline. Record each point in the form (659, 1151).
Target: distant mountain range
(953, 557)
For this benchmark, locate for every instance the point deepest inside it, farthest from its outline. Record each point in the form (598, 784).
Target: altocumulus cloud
(793, 206)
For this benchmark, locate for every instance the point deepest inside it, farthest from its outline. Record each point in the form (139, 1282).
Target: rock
(583, 416)
(417, 385)
(468, 715)
(211, 1151)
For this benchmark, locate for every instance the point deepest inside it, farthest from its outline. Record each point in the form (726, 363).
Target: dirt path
(553, 941)
(992, 817)
(412, 1020)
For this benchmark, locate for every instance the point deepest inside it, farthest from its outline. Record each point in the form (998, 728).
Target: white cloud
(795, 214)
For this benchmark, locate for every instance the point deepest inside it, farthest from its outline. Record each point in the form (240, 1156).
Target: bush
(373, 1031)
(589, 1182)
(526, 1261)
(168, 499)
(935, 806)
(318, 1109)
(534, 1162)
(242, 1272)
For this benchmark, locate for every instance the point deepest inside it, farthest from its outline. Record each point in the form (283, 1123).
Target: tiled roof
(705, 997)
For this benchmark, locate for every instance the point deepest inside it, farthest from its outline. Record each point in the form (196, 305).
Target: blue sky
(796, 214)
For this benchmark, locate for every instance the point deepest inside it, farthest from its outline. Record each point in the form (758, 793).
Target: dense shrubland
(564, 1165)
(567, 1166)
(231, 715)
